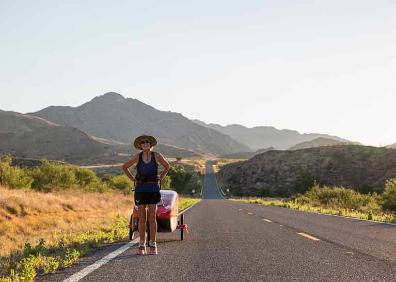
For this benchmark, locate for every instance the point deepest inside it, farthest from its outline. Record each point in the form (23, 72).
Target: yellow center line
(308, 236)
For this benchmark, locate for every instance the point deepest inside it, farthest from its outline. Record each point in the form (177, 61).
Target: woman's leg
(152, 213)
(142, 222)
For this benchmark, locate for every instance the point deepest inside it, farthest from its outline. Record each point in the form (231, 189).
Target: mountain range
(101, 130)
(321, 142)
(260, 137)
(113, 117)
(29, 136)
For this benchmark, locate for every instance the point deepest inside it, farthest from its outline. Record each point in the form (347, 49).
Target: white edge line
(183, 211)
(87, 270)
(267, 220)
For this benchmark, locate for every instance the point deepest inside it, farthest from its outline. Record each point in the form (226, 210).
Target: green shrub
(51, 176)
(89, 181)
(179, 178)
(85, 177)
(27, 268)
(303, 182)
(339, 197)
(389, 195)
(120, 182)
(13, 177)
(70, 257)
(166, 183)
(51, 265)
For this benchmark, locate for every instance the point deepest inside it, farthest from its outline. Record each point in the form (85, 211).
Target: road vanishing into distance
(232, 241)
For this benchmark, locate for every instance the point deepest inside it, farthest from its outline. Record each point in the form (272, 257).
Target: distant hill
(393, 146)
(111, 116)
(320, 142)
(35, 138)
(284, 173)
(245, 155)
(266, 136)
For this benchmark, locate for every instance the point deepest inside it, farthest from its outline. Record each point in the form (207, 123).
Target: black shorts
(147, 198)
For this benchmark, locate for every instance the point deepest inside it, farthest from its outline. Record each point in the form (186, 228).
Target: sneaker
(152, 250)
(141, 250)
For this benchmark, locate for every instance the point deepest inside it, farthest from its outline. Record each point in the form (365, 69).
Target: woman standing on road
(147, 190)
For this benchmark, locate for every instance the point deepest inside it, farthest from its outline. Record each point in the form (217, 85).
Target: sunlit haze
(313, 66)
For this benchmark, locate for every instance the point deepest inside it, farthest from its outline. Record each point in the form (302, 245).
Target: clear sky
(324, 66)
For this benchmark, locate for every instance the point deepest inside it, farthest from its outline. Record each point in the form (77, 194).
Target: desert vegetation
(53, 176)
(340, 201)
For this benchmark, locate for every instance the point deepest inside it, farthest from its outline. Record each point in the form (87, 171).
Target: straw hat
(138, 139)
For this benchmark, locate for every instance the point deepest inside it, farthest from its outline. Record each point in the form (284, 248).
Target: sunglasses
(145, 142)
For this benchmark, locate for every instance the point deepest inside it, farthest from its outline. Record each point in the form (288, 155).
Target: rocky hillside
(246, 155)
(266, 136)
(112, 116)
(284, 173)
(319, 142)
(33, 137)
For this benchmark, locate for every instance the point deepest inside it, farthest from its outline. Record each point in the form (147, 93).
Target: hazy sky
(315, 66)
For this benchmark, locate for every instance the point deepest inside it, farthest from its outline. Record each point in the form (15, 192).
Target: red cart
(168, 217)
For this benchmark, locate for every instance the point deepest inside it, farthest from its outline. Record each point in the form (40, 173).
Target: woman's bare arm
(128, 164)
(164, 163)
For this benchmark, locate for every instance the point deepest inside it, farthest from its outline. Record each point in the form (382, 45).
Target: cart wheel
(182, 230)
(131, 229)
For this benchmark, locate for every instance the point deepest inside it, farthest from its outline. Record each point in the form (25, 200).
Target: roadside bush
(50, 176)
(13, 177)
(339, 197)
(166, 183)
(303, 182)
(85, 177)
(120, 182)
(89, 181)
(389, 195)
(179, 178)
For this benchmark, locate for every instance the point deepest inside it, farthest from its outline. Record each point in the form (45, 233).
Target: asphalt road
(231, 241)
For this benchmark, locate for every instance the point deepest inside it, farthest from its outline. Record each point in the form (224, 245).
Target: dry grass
(40, 233)
(27, 216)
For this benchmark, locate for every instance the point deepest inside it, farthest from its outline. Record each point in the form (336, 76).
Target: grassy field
(41, 232)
